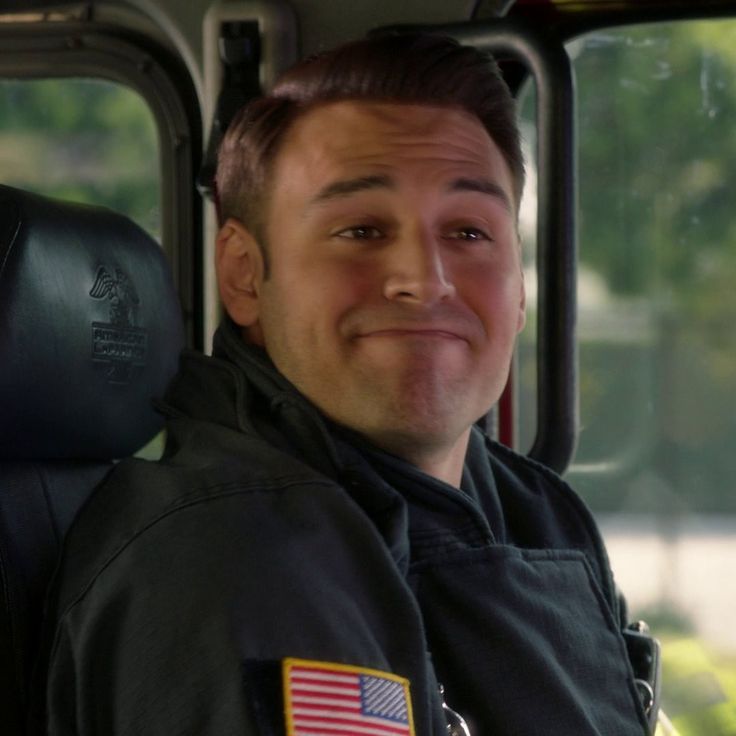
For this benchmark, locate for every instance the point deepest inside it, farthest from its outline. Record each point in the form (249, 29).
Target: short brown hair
(408, 68)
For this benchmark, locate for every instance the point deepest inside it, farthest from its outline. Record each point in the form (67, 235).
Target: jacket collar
(239, 387)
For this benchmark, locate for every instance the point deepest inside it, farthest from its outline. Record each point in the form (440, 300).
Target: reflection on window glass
(83, 140)
(657, 337)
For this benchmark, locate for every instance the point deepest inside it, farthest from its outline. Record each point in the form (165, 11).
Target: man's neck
(445, 465)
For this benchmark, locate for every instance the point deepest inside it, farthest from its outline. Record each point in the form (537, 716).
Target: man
(329, 537)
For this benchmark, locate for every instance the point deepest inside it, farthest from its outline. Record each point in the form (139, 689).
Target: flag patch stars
(326, 699)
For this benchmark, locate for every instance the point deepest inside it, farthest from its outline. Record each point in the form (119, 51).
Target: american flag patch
(325, 699)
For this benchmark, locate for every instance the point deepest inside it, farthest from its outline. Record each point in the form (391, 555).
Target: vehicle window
(657, 340)
(84, 140)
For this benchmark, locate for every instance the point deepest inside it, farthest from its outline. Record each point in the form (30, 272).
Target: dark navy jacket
(265, 534)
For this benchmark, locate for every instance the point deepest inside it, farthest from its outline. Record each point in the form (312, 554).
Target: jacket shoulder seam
(216, 492)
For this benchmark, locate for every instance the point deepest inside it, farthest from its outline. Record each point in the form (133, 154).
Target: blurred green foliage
(84, 140)
(699, 694)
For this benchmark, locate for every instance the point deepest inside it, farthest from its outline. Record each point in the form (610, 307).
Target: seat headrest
(90, 330)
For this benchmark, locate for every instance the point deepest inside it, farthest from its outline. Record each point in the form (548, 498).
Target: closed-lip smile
(440, 332)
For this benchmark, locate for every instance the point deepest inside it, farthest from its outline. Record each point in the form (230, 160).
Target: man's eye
(360, 232)
(469, 233)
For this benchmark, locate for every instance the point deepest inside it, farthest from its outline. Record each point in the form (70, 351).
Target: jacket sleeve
(124, 660)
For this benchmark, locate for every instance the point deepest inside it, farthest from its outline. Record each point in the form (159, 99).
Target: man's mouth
(438, 333)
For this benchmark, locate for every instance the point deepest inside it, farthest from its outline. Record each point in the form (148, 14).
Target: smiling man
(329, 536)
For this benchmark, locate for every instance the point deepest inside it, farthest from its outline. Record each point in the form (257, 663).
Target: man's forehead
(368, 137)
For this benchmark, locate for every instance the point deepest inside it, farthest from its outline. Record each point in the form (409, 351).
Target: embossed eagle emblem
(121, 293)
(118, 345)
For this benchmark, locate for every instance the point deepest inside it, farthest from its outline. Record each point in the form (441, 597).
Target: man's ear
(240, 268)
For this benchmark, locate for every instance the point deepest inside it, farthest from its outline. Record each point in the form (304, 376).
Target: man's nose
(416, 271)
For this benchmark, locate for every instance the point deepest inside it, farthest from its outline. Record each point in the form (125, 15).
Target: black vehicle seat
(90, 332)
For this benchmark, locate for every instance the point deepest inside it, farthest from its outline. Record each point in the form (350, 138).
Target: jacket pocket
(526, 643)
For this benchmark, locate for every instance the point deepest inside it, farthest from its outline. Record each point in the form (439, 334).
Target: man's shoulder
(538, 492)
(542, 510)
(214, 461)
(141, 507)
(532, 474)
(525, 474)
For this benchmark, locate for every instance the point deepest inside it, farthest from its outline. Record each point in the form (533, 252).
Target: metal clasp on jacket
(456, 725)
(644, 655)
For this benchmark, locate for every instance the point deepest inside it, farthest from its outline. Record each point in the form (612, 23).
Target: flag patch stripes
(326, 699)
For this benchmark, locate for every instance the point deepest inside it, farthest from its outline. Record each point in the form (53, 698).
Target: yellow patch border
(290, 662)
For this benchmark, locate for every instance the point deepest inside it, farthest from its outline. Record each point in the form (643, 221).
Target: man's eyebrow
(484, 186)
(345, 187)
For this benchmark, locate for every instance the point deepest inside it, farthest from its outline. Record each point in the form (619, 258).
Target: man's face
(395, 290)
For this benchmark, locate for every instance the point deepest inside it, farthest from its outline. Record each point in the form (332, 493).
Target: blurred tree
(85, 140)
(656, 105)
